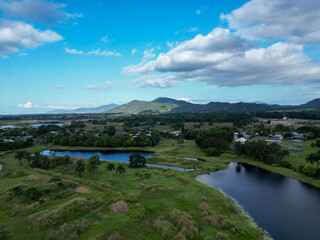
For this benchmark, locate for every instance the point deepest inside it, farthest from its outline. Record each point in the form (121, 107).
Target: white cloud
(198, 11)
(23, 54)
(18, 35)
(105, 86)
(134, 51)
(94, 52)
(294, 20)
(104, 53)
(29, 105)
(186, 100)
(224, 59)
(105, 39)
(73, 51)
(39, 10)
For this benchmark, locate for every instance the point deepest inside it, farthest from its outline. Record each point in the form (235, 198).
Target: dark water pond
(288, 209)
(121, 156)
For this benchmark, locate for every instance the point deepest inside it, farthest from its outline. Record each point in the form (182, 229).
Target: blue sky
(69, 54)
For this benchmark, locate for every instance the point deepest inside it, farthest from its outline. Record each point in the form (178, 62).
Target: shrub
(309, 170)
(204, 199)
(301, 168)
(4, 233)
(33, 194)
(212, 219)
(69, 231)
(212, 152)
(181, 178)
(54, 179)
(137, 212)
(285, 164)
(169, 175)
(222, 236)
(184, 221)
(166, 228)
(17, 191)
(74, 208)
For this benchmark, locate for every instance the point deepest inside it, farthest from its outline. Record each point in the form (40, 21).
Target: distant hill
(315, 103)
(100, 109)
(168, 105)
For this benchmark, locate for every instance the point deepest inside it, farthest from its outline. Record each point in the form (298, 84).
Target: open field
(146, 199)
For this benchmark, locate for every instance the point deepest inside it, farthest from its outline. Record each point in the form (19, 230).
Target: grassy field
(61, 213)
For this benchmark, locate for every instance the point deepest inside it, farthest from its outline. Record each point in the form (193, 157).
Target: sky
(70, 54)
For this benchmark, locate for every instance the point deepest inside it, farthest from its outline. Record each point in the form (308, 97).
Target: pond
(36, 125)
(120, 156)
(7, 126)
(288, 209)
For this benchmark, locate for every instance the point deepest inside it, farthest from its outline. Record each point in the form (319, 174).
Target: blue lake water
(288, 209)
(120, 156)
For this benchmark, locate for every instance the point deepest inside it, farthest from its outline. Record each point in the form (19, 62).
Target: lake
(288, 209)
(120, 156)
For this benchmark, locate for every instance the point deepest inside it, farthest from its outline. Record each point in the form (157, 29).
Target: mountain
(315, 103)
(166, 105)
(100, 109)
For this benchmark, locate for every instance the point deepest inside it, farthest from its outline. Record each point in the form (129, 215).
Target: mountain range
(100, 109)
(169, 105)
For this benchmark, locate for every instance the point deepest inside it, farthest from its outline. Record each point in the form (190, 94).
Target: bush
(212, 219)
(301, 168)
(222, 236)
(33, 194)
(285, 164)
(166, 228)
(184, 221)
(69, 231)
(54, 179)
(4, 233)
(183, 179)
(212, 152)
(309, 170)
(74, 208)
(137, 212)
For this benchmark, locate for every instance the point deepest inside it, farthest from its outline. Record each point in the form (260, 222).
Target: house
(235, 136)
(277, 137)
(241, 140)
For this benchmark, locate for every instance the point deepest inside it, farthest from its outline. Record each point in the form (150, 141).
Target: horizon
(70, 54)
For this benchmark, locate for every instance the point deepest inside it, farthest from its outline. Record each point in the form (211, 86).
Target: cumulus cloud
(105, 86)
(224, 59)
(18, 35)
(294, 20)
(73, 51)
(189, 100)
(29, 105)
(94, 52)
(42, 11)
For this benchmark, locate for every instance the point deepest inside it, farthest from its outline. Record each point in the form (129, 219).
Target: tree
(20, 155)
(80, 167)
(110, 168)
(314, 158)
(111, 130)
(94, 161)
(66, 160)
(137, 161)
(121, 170)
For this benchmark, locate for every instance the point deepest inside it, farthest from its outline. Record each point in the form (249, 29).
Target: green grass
(171, 193)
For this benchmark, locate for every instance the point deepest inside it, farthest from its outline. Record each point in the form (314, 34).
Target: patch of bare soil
(31, 178)
(82, 190)
(119, 207)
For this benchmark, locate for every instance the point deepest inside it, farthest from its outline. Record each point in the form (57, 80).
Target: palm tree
(20, 155)
(121, 170)
(80, 167)
(110, 168)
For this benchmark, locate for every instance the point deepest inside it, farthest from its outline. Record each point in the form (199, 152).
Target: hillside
(165, 105)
